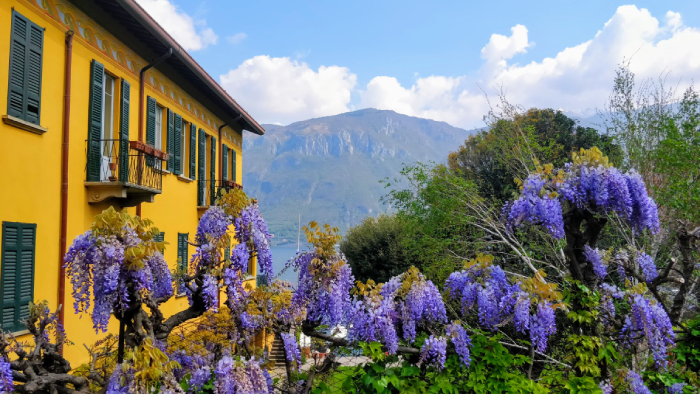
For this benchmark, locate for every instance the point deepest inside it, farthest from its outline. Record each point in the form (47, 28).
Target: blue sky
(420, 58)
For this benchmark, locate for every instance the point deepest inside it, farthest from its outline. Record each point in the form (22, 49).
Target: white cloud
(283, 90)
(236, 38)
(578, 78)
(501, 47)
(178, 24)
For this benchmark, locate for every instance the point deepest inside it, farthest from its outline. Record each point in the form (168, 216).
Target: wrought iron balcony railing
(126, 167)
(209, 190)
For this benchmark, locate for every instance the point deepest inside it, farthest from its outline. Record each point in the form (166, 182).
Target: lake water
(280, 256)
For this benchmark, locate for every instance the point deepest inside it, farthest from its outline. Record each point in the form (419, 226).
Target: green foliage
(434, 211)
(374, 249)
(678, 159)
(493, 370)
(688, 349)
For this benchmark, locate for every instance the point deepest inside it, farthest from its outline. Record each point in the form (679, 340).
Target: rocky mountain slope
(328, 169)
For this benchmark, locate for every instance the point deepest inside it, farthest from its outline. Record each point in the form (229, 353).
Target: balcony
(127, 171)
(209, 190)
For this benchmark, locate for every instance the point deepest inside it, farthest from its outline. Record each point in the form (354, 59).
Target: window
(183, 162)
(224, 162)
(17, 277)
(107, 133)
(233, 165)
(24, 83)
(159, 128)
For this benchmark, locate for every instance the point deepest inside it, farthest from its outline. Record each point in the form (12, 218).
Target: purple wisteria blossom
(6, 381)
(593, 256)
(458, 336)
(97, 267)
(291, 350)
(233, 276)
(676, 388)
(649, 323)
(373, 320)
(592, 186)
(199, 377)
(122, 380)
(636, 383)
(644, 213)
(646, 263)
(251, 229)
(434, 352)
(486, 288)
(536, 207)
(542, 325)
(605, 387)
(323, 292)
(210, 293)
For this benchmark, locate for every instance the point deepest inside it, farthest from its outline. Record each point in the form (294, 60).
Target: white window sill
(184, 179)
(23, 124)
(163, 171)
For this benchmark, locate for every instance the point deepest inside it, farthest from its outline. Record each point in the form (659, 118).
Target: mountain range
(329, 169)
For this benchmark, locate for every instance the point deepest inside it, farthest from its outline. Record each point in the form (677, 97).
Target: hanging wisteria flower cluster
(251, 230)
(648, 323)
(434, 352)
(404, 304)
(591, 183)
(115, 263)
(325, 279)
(291, 350)
(537, 206)
(484, 287)
(234, 376)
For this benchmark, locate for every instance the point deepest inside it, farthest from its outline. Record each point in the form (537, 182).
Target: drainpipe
(142, 92)
(221, 148)
(64, 177)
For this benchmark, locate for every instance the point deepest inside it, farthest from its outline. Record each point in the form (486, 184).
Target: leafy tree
(494, 157)
(375, 248)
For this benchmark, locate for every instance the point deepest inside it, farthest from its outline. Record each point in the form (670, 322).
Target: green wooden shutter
(224, 161)
(24, 85)
(150, 126)
(160, 237)
(94, 159)
(182, 251)
(17, 276)
(151, 121)
(124, 133)
(233, 165)
(212, 172)
(178, 145)
(182, 256)
(201, 184)
(171, 141)
(193, 151)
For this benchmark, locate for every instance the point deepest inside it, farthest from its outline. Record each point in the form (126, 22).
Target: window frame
(159, 127)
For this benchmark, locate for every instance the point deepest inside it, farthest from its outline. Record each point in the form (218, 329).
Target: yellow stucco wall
(30, 180)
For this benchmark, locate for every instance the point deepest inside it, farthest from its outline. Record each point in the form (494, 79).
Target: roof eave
(138, 13)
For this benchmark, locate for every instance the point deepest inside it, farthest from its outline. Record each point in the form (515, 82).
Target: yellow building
(97, 94)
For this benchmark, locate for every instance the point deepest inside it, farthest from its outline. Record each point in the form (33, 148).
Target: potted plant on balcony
(112, 169)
